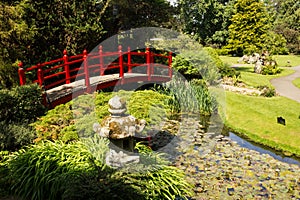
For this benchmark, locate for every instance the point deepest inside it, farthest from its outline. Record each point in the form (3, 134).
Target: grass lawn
(252, 79)
(282, 60)
(256, 118)
(296, 82)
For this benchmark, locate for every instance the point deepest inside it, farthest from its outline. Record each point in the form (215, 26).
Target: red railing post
(40, 75)
(101, 64)
(121, 66)
(170, 64)
(66, 66)
(129, 60)
(86, 72)
(148, 62)
(21, 73)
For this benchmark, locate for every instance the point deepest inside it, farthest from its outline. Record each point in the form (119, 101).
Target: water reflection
(243, 143)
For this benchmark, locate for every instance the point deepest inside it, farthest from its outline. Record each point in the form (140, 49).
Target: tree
(250, 26)
(71, 25)
(287, 23)
(127, 14)
(204, 18)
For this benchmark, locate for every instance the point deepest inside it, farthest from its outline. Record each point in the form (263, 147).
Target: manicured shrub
(50, 126)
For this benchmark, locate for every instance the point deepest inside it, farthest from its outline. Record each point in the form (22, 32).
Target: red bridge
(70, 76)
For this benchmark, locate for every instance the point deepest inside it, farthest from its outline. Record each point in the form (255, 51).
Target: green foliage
(287, 23)
(154, 178)
(8, 75)
(270, 69)
(224, 69)
(15, 35)
(21, 104)
(276, 44)
(190, 97)
(42, 171)
(50, 126)
(248, 32)
(75, 119)
(55, 170)
(267, 91)
(14, 135)
(19, 107)
(206, 20)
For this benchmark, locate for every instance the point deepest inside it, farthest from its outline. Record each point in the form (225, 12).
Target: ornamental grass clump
(42, 171)
(56, 170)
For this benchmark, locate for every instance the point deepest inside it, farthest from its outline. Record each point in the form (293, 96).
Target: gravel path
(285, 87)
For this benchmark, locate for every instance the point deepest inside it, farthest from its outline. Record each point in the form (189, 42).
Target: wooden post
(67, 67)
(129, 60)
(101, 63)
(170, 64)
(40, 75)
(121, 66)
(86, 72)
(148, 62)
(21, 73)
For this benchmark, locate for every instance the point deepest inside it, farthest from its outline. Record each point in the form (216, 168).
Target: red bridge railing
(67, 69)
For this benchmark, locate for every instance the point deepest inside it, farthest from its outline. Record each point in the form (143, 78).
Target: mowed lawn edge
(256, 119)
(296, 82)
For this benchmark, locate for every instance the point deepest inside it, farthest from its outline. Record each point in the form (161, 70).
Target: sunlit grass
(282, 60)
(252, 79)
(296, 82)
(256, 118)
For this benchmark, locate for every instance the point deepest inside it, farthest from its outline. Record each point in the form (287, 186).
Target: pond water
(263, 150)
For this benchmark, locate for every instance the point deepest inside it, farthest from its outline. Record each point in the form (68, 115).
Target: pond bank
(221, 169)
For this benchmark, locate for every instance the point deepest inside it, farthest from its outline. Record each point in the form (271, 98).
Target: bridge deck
(99, 82)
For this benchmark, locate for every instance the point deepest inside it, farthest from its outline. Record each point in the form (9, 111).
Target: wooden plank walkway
(78, 87)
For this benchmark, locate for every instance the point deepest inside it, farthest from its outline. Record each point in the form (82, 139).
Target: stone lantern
(119, 127)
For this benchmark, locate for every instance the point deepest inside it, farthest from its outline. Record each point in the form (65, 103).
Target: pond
(262, 149)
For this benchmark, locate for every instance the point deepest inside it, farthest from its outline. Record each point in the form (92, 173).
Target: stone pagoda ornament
(120, 128)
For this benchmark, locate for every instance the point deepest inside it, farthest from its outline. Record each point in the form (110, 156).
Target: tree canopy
(250, 30)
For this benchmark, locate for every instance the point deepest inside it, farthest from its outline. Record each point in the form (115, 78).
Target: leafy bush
(224, 69)
(267, 91)
(76, 118)
(13, 135)
(8, 75)
(270, 70)
(196, 64)
(22, 103)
